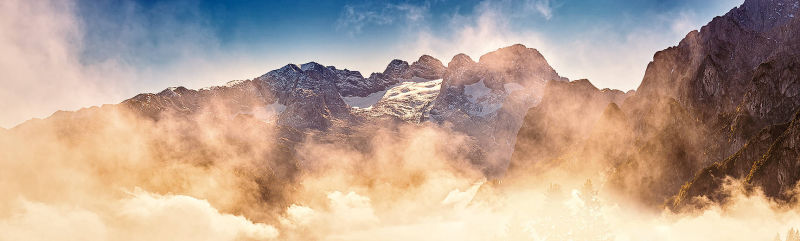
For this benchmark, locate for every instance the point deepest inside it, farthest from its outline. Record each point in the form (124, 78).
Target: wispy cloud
(354, 18)
(60, 55)
(607, 54)
(543, 7)
(487, 30)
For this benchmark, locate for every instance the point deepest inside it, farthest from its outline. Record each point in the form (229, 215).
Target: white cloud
(606, 54)
(543, 7)
(41, 69)
(44, 45)
(354, 18)
(487, 31)
(351, 210)
(143, 216)
(460, 199)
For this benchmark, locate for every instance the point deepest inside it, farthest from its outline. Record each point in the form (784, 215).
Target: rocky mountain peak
(763, 15)
(396, 68)
(174, 91)
(513, 52)
(290, 67)
(460, 60)
(523, 62)
(583, 83)
(426, 67)
(429, 60)
(312, 66)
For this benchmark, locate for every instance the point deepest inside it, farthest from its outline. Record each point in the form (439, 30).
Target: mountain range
(723, 104)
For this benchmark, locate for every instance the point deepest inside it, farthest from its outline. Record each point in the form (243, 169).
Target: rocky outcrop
(736, 79)
(568, 113)
(776, 173)
(427, 67)
(708, 184)
(711, 106)
(737, 60)
(488, 99)
(306, 97)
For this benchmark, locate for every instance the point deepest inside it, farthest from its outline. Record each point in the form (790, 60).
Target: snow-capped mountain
(407, 101)
(722, 105)
(486, 100)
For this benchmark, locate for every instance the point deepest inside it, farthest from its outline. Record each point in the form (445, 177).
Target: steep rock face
(309, 94)
(769, 161)
(426, 67)
(472, 89)
(728, 63)
(607, 139)
(488, 99)
(568, 113)
(709, 182)
(670, 146)
(734, 77)
(777, 171)
(396, 69)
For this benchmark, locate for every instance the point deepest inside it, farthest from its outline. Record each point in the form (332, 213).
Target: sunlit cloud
(542, 6)
(54, 59)
(354, 18)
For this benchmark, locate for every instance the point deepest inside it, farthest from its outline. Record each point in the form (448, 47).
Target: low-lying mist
(104, 173)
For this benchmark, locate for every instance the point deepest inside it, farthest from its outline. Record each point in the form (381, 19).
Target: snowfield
(407, 100)
(413, 90)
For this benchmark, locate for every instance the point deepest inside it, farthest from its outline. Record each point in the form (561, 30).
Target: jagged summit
(427, 58)
(459, 60)
(764, 15)
(527, 62)
(584, 83)
(426, 67)
(396, 68)
(290, 67)
(483, 99)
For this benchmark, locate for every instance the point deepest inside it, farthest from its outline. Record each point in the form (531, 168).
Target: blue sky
(366, 35)
(110, 50)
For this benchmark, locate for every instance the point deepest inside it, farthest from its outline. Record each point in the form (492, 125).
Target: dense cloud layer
(106, 174)
(110, 173)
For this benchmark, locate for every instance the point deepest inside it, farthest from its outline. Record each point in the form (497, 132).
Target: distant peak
(583, 82)
(173, 91)
(396, 68)
(396, 62)
(763, 15)
(290, 67)
(311, 66)
(513, 51)
(426, 58)
(517, 46)
(460, 60)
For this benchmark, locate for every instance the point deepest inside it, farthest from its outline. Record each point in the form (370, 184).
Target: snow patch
(511, 87)
(405, 90)
(488, 107)
(268, 113)
(234, 83)
(476, 91)
(365, 102)
(407, 100)
(409, 90)
(416, 80)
